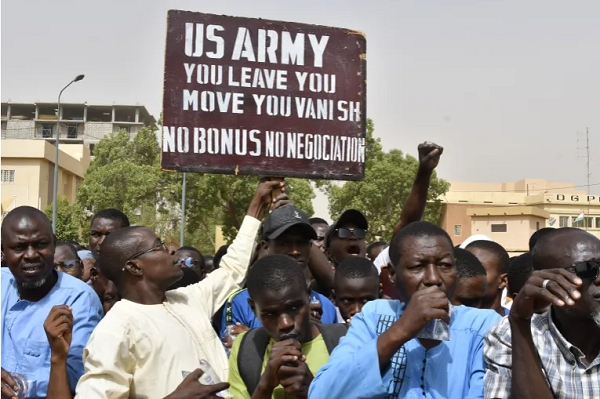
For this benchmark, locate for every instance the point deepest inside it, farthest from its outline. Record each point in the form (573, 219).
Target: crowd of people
(297, 308)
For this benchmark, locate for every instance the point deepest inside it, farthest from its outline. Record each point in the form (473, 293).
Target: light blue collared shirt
(25, 347)
(452, 370)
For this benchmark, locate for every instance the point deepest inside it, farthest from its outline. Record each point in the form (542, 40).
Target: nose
(356, 308)
(285, 324)
(101, 239)
(294, 251)
(30, 253)
(432, 276)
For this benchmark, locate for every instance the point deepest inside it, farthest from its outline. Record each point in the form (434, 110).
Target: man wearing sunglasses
(346, 237)
(557, 353)
(66, 259)
(152, 339)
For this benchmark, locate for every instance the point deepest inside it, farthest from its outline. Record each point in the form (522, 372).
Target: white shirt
(140, 351)
(382, 259)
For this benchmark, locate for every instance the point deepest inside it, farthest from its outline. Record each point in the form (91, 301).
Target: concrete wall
(518, 230)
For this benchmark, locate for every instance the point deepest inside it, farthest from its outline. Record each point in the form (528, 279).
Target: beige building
(510, 213)
(27, 176)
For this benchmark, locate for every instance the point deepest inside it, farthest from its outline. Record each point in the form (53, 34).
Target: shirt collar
(568, 350)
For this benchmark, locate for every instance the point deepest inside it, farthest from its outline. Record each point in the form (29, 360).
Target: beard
(31, 285)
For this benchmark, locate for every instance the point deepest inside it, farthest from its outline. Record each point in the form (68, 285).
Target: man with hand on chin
(551, 354)
(383, 356)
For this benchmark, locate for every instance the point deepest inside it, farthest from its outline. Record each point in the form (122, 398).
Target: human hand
(428, 304)
(557, 287)
(295, 380)
(429, 156)
(316, 311)
(9, 385)
(263, 196)
(287, 352)
(59, 330)
(191, 388)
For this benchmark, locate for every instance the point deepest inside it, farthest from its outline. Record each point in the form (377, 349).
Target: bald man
(30, 288)
(555, 354)
(152, 339)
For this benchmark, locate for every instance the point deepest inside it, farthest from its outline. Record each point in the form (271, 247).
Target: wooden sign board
(253, 96)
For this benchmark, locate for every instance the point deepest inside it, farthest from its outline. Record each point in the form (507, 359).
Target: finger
(539, 292)
(292, 342)
(440, 314)
(7, 392)
(7, 378)
(571, 277)
(194, 375)
(221, 386)
(63, 312)
(567, 290)
(285, 351)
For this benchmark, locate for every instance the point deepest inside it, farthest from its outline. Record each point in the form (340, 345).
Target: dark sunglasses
(67, 264)
(344, 232)
(588, 271)
(188, 262)
(160, 245)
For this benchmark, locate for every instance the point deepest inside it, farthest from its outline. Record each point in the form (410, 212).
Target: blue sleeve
(87, 312)
(478, 365)
(353, 365)
(329, 313)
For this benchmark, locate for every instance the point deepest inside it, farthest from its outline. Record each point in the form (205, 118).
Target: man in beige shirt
(152, 339)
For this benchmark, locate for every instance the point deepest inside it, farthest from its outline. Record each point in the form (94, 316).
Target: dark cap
(350, 216)
(282, 219)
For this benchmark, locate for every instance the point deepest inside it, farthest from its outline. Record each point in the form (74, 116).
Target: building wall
(33, 163)
(518, 230)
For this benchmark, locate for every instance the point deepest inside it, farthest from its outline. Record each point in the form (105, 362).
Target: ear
(264, 249)
(332, 298)
(391, 273)
(380, 290)
(133, 268)
(252, 306)
(503, 281)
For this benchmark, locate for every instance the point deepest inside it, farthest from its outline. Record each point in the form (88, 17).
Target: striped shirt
(563, 364)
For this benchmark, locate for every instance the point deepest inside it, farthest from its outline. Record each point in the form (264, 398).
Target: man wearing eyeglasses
(152, 342)
(555, 354)
(66, 259)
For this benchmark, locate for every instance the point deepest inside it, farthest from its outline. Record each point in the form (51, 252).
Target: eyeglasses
(587, 271)
(67, 264)
(160, 245)
(344, 232)
(188, 262)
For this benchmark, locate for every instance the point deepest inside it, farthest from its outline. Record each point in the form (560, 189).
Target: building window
(46, 131)
(71, 131)
(92, 149)
(563, 221)
(8, 176)
(499, 228)
(583, 223)
(537, 226)
(598, 223)
(3, 125)
(458, 230)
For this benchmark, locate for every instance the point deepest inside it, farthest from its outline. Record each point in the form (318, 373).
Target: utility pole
(182, 232)
(586, 148)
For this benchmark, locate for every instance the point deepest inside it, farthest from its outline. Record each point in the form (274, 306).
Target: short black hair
(356, 267)
(415, 229)
(189, 277)
(189, 248)
(68, 244)
(497, 251)
(467, 264)
(373, 246)
(116, 249)
(519, 271)
(274, 273)
(112, 214)
(219, 255)
(317, 221)
(535, 237)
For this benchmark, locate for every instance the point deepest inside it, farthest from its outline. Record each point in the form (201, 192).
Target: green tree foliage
(125, 174)
(380, 196)
(67, 219)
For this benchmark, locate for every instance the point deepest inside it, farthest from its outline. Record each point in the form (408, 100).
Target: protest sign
(254, 96)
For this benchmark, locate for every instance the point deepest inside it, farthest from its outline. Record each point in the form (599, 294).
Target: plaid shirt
(563, 364)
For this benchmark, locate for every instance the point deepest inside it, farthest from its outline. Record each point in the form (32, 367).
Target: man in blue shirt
(286, 231)
(30, 288)
(382, 355)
